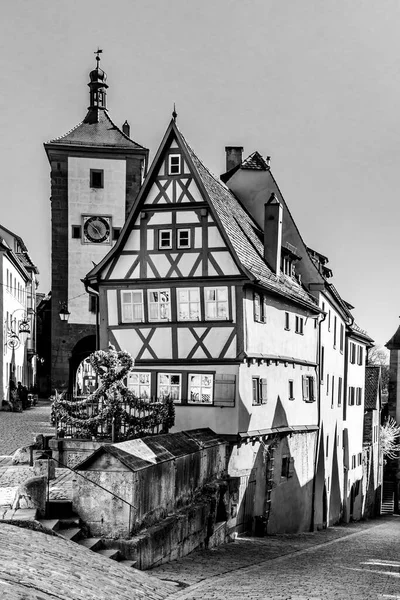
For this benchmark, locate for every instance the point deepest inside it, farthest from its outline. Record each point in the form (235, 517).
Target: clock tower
(96, 174)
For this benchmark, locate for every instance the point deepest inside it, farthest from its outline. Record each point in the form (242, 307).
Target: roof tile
(244, 234)
(98, 131)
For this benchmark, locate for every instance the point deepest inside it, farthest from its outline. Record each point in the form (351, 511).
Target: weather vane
(98, 52)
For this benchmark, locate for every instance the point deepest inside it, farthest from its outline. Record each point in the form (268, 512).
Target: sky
(315, 85)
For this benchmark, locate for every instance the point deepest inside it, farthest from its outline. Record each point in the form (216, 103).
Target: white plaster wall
(332, 418)
(84, 200)
(279, 411)
(221, 419)
(12, 304)
(272, 338)
(355, 414)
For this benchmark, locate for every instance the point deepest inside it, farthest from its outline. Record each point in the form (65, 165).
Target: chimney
(126, 128)
(273, 233)
(234, 155)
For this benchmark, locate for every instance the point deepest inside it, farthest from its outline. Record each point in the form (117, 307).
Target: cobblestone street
(18, 429)
(359, 561)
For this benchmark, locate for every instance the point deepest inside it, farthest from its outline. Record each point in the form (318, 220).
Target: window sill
(286, 328)
(299, 332)
(292, 399)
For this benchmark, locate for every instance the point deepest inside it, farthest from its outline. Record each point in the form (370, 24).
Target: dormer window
(287, 266)
(174, 164)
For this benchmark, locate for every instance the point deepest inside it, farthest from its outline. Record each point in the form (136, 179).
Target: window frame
(93, 173)
(360, 355)
(352, 353)
(159, 240)
(259, 390)
(76, 232)
(308, 388)
(287, 321)
(261, 316)
(341, 343)
(178, 242)
(170, 374)
(158, 303)
(134, 372)
(132, 304)
(351, 398)
(189, 302)
(291, 389)
(201, 374)
(171, 167)
(207, 302)
(358, 398)
(299, 325)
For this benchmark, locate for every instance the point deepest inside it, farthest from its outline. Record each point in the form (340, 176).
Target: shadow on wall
(335, 500)
(275, 491)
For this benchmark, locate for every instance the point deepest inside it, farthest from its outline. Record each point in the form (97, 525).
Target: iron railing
(88, 421)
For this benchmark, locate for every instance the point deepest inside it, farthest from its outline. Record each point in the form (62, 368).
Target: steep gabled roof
(244, 234)
(361, 333)
(241, 232)
(372, 387)
(255, 162)
(96, 130)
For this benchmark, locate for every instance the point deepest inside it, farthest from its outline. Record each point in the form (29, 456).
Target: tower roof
(97, 129)
(394, 342)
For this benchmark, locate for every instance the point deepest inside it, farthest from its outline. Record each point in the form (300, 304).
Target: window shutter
(225, 390)
(305, 388)
(263, 391)
(311, 389)
(264, 309)
(255, 390)
(256, 302)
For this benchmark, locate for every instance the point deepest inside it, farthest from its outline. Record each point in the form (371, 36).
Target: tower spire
(98, 87)
(174, 113)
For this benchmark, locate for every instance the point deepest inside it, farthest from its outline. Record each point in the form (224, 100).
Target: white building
(18, 276)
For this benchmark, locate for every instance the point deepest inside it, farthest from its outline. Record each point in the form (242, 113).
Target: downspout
(318, 359)
(90, 290)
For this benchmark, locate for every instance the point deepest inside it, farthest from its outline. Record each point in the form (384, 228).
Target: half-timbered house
(194, 290)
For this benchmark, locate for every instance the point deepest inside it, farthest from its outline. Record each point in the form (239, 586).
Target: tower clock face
(96, 230)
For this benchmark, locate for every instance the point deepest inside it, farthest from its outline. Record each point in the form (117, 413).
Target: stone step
(73, 521)
(110, 553)
(59, 509)
(73, 533)
(92, 543)
(52, 524)
(128, 563)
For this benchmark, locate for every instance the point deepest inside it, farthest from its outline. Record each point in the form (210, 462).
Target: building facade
(18, 276)
(194, 291)
(213, 291)
(96, 173)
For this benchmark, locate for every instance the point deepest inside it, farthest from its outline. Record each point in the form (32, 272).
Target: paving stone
(18, 429)
(355, 562)
(42, 567)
